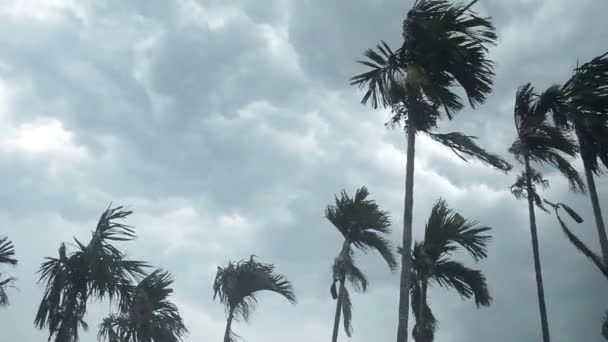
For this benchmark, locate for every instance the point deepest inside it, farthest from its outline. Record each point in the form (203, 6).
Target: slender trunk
(334, 336)
(597, 212)
(422, 301)
(228, 326)
(64, 333)
(535, 252)
(406, 254)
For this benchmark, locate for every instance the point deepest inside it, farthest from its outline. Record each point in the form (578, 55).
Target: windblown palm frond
(464, 145)
(519, 188)
(605, 326)
(446, 230)
(448, 43)
(425, 328)
(362, 223)
(7, 256)
(444, 45)
(576, 242)
(237, 285)
(147, 315)
(97, 269)
(540, 142)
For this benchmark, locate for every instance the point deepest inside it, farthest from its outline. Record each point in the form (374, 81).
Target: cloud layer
(228, 126)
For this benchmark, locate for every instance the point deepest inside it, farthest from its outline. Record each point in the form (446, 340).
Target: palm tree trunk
(228, 326)
(597, 212)
(64, 333)
(334, 336)
(535, 252)
(406, 253)
(422, 303)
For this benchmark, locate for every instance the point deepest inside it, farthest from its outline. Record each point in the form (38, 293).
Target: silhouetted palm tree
(446, 232)
(7, 256)
(445, 46)
(146, 314)
(238, 284)
(537, 141)
(585, 111)
(97, 269)
(363, 226)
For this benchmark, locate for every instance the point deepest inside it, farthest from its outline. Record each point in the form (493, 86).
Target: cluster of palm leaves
(445, 46)
(7, 257)
(99, 270)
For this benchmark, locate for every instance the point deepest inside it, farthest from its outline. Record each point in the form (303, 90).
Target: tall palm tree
(146, 314)
(97, 269)
(237, 286)
(537, 141)
(363, 226)
(446, 232)
(444, 45)
(7, 256)
(586, 112)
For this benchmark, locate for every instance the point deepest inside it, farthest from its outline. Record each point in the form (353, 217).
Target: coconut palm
(586, 113)
(238, 284)
(537, 141)
(363, 226)
(446, 232)
(95, 270)
(146, 314)
(444, 45)
(7, 256)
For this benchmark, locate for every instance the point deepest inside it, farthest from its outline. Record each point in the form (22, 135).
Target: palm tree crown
(146, 314)
(363, 226)
(7, 256)
(537, 140)
(97, 269)
(237, 285)
(446, 232)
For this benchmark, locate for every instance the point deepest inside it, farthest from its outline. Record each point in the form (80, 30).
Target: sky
(227, 126)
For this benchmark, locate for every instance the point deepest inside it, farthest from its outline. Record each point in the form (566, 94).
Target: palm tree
(444, 45)
(537, 141)
(97, 269)
(586, 112)
(146, 314)
(238, 284)
(446, 232)
(7, 256)
(363, 226)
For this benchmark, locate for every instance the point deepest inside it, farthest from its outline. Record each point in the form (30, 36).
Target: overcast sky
(228, 126)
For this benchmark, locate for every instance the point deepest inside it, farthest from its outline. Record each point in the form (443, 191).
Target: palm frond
(605, 326)
(353, 215)
(578, 243)
(149, 315)
(466, 281)
(344, 268)
(7, 252)
(463, 145)
(540, 142)
(446, 229)
(448, 43)
(384, 66)
(347, 312)
(519, 189)
(237, 284)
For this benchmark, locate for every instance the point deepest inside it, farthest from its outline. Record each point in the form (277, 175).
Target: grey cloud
(246, 132)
